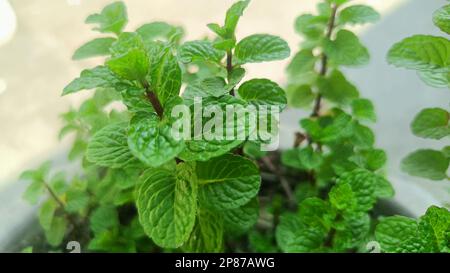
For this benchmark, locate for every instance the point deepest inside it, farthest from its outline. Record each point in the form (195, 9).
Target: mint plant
(140, 188)
(429, 56)
(340, 170)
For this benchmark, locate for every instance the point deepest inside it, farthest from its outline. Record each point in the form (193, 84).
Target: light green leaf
(363, 109)
(313, 27)
(109, 147)
(422, 52)
(165, 74)
(151, 140)
(263, 92)
(155, 30)
(112, 18)
(199, 51)
(428, 164)
(358, 14)
(337, 88)
(261, 48)
(363, 137)
(441, 18)
(302, 159)
(46, 213)
(435, 79)
(34, 192)
(132, 65)
(207, 236)
(227, 182)
(253, 150)
(55, 234)
(300, 96)
(96, 47)
(395, 231)
(304, 61)
(104, 218)
(431, 123)
(99, 76)
(346, 50)
(435, 227)
(77, 200)
(233, 15)
(167, 205)
(351, 232)
(243, 218)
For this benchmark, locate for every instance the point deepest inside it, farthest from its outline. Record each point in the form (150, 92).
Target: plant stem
(153, 98)
(324, 60)
(230, 69)
(284, 183)
(54, 196)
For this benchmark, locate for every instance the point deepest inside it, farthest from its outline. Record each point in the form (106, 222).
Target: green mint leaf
(434, 226)
(431, 123)
(243, 218)
(94, 48)
(337, 88)
(261, 48)
(428, 164)
(227, 182)
(317, 213)
(156, 30)
(300, 96)
(302, 159)
(364, 110)
(99, 76)
(351, 232)
(165, 75)
(207, 235)
(133, 65)
(363, 137)
(434, 79)
(304, 61)
(151, 140)
(33, 192)
(104, 218)
(362, 185)
(346, 50)
(217, 29)
(112, 19)
(109, 147)
(441, 18)
(253, 150)
(233, 15)
(295, 236)
(235, 78)
(422, 52)
(203, 88)
(199, 51)
(446, 151)
(77, 200)
(263, 92)
(55, 234)
(46, 213)
(383, 188)
(396, 232)
(358, 14)
(371, 159)
(312, 27)
(167, 205)
(136, 100)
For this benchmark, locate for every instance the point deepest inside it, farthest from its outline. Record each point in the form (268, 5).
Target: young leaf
(441, 18)
(434, 226)
(165, 74)
(422, 52)
(263, 92)
(207, 236)
(96, 47)
(302, 159)
(358, 14)
(132, 65)
(313, 27)
(304, 61)
(232, 17)
(151, 140)
(112, 18)
(99, 76)
(227, 182)
(299, 96)
(351, 231)
(77, 200)
(261, 48)
(431, 123)
(109, 147)
(46, 213)
(346, 50)
(337, 88)
(34, 192)
(150, 32)
(199, 51)
(435, 79)
(104, 218)
(428, 164)
(167, 205)
(363, 109)
(55, 234)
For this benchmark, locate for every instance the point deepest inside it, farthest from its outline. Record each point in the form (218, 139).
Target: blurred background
(38, 38)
